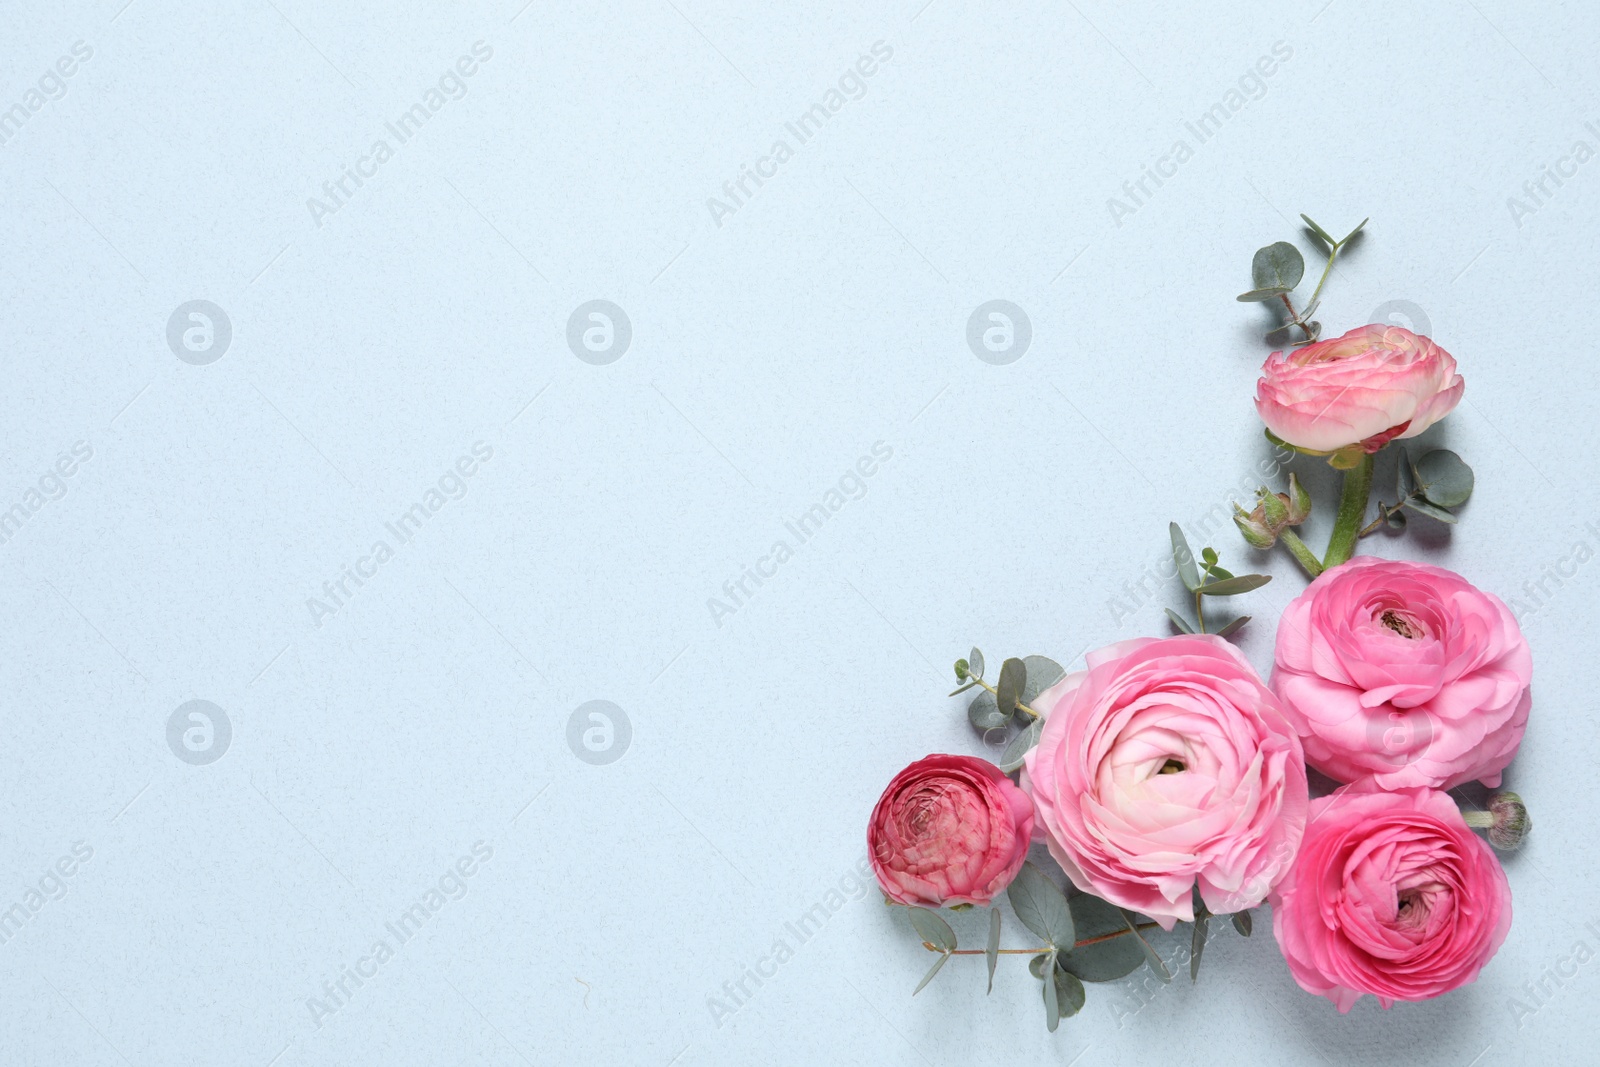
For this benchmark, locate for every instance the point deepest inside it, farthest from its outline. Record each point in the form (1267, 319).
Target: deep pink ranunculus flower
(1404, 673)
(1369, 387)
(1165, 763)
(1391, 895)
(949, 830)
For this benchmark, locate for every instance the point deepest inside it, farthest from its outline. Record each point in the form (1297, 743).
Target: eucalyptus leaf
(1242, 923)
(1041, 907)
(1279, 335)
(1184, 558)
(1043, 672)
(1018, 746)
(963, 689)
(1233, 627)
(992, 950)
(1234, 586)
(1261, 296)
(1418, 504)
(1013, 679)
(1209, 555)
(1197, 944)
(1037, 965)
(1105, 961)
(1102, 961)
(1180, 622)
(984, 714)
(932, 928)
(938, 964)
(1446, 480)
(1359, 226)
(1319, 231)
(1052, 998)
(1393, 518)
(1277, 266)
(1405, 476)
(1070, 994)
(975, 662)
(1150, 955)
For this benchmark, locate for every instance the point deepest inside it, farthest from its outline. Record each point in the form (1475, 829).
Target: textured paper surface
(398, 747)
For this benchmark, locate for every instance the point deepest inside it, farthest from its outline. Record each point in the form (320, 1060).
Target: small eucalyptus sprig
(1211, 581)
(1020, 681)
(1431, 486)
(1085, 939)
(1276, 271)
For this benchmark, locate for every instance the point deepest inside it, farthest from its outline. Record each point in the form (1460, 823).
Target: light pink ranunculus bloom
(1368, 387)
(949, 830)
(1391, 895)
(1404, 673)
(1168, 762)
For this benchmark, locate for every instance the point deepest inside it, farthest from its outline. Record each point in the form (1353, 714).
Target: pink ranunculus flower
(1404, 673)
(949, 830)
(1391, 895)
(1368, 387)
(1168, 762)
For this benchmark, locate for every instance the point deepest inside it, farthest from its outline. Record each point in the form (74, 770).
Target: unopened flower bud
(1253, 526)
(1274, 507)
(1511, 821)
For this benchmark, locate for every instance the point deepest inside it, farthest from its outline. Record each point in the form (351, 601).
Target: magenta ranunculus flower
(1403, 673)
(949, 830)
(1168, 761)
(1392, 894)
(1369, 387)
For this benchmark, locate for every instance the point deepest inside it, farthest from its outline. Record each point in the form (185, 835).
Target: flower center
(1172, 766)
(1401, 623)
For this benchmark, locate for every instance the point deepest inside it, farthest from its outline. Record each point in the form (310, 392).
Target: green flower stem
(1352, 511)
(1301, 553)
(1199, 607)
(1020, 705)
(1037, 951)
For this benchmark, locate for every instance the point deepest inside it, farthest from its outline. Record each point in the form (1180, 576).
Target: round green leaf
(1041, 907)
(1446, 480)
(1037, 965)
(1277, 266)
(1070, 994)
(983, 713)
(975, 662)
(1043, 672)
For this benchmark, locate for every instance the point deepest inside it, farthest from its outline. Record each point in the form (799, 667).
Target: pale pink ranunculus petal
(949, 830)
(1230, 819)
(1370, 386)
(1404, 673)
(1391, 894)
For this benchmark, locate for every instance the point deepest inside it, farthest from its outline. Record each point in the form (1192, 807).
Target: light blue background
(769, 353)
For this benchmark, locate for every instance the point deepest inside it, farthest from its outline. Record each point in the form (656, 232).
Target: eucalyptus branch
(931, 947)
(975, 680)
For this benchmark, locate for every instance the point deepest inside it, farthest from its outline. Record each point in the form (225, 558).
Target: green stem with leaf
(1036, 951)
(975, 680)
(1352, 512)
